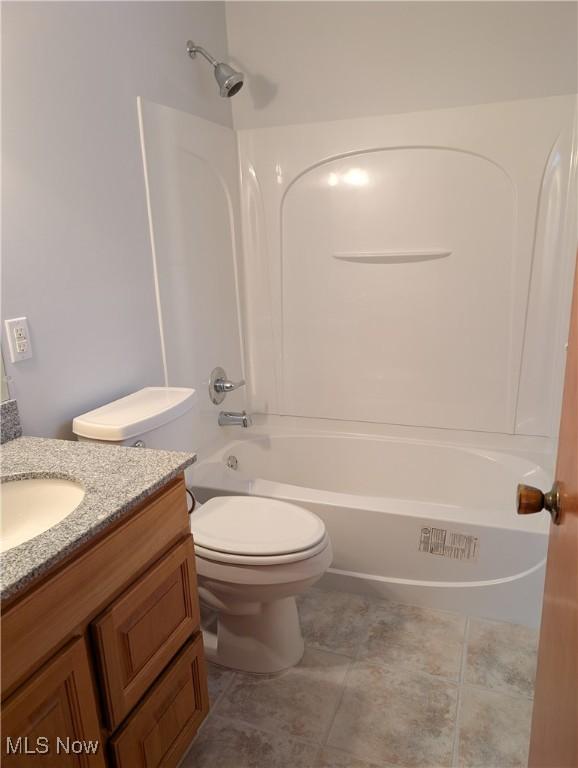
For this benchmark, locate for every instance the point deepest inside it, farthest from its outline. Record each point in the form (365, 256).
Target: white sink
(29, 507)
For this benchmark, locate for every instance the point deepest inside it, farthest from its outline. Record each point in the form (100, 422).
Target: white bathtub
(417, 521)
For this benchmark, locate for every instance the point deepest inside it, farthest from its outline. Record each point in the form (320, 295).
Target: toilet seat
(255, 530)
(257, 560)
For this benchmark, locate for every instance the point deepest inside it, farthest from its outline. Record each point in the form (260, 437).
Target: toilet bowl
(253, 557)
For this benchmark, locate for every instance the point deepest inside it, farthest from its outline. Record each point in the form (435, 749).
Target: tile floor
(381, 685)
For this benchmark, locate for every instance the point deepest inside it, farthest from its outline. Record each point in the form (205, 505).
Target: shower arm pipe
(194, 49)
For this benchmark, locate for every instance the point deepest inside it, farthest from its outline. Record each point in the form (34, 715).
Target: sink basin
(29, 507)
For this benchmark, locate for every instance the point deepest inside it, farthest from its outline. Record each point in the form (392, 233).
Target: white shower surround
(377, 493)
(473, 340)
(374, 532)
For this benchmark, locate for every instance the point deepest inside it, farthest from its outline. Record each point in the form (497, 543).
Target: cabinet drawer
(144, 628)
(52, 719)
(161, 728)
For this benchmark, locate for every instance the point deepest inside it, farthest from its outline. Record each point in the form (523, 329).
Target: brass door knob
(530, 500)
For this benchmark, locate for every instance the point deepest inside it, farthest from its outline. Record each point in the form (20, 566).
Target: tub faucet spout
(230, 418)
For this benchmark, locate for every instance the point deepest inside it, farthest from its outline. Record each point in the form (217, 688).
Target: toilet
(253, 555)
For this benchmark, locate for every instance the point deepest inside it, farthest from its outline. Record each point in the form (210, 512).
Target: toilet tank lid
(134, 414)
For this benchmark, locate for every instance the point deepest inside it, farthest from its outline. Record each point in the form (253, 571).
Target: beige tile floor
(381, 685)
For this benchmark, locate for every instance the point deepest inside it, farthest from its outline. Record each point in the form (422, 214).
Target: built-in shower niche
(397, 268)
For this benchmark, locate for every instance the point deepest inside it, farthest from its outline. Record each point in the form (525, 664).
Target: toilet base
(267, 640)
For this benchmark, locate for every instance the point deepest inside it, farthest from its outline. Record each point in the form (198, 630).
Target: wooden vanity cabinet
(108, 648)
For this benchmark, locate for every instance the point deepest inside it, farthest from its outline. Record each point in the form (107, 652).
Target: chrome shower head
(230, 81)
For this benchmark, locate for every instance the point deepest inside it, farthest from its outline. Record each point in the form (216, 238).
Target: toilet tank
(153, 417)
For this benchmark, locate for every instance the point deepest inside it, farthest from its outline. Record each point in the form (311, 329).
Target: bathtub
(419, 521)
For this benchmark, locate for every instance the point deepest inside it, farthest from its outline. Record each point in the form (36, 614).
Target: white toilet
(253, 555)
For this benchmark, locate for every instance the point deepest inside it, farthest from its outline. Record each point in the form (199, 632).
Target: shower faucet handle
(219, 385)
(224, 385)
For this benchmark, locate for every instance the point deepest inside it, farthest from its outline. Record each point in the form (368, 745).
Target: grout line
(356, 655)
(387, 600)
(413, 670)
(337, 705)
(325, 649)
(353, 658)
(459, 681)
(497, 692)
(277, 733)
(465, 651)
(221, 696)
(463, 662)
(448, 680)
(212, 713)
(456, 744)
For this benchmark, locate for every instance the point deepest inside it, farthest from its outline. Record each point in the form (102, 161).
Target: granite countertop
(115, 480)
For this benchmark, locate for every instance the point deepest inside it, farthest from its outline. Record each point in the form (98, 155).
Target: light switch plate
(18, 335)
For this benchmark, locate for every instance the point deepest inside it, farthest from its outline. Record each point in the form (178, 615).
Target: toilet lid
(249, 525)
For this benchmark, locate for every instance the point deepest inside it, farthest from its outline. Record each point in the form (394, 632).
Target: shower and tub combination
(415, 520)
(395, 291)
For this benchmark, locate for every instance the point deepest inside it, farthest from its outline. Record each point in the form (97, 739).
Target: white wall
(76, 255)
(313, 61)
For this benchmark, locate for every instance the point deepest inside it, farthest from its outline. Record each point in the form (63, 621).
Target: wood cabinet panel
(68, 599)
(54, 715)
(144, 628)
(162, 726)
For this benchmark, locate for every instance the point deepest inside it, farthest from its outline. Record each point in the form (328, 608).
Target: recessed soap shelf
(392, 257)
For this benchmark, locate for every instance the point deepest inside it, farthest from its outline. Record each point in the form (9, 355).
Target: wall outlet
(18, 339)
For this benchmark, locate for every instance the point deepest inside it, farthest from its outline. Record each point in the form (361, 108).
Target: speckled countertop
(114, 478)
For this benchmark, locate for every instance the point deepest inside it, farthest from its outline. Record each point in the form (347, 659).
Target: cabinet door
(52, 719)
(145, 627)
(160, 730)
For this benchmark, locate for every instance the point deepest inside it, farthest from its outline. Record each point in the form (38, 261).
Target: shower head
(230, 81)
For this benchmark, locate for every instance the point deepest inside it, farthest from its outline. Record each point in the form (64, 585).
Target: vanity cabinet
(108, 648)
